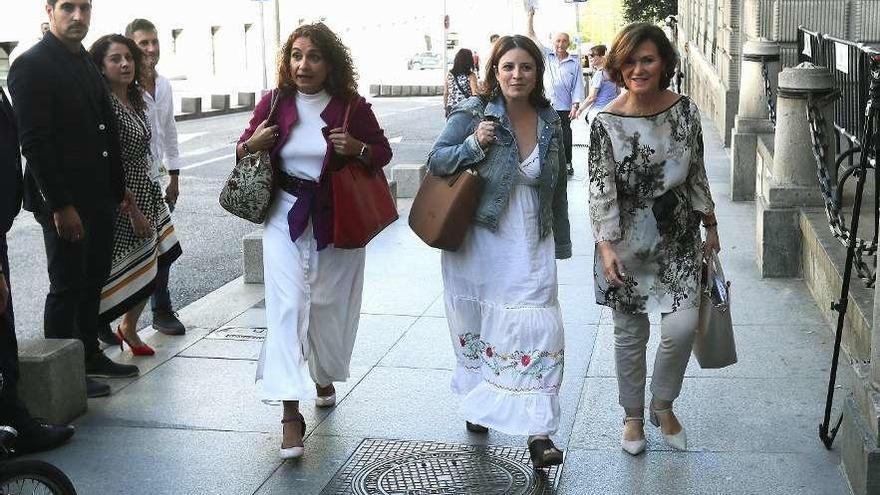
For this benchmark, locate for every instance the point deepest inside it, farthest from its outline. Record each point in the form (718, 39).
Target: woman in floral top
(648, 192)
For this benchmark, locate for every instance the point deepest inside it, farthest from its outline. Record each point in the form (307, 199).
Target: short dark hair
(53, 2)
(139, 25)
(98, 51)
(491, 88)
(493, 38)
(464, 62)
(599, 50)
(629, 39)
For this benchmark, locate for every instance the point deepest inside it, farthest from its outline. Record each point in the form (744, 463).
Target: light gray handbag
(714, 345)
(248, 191)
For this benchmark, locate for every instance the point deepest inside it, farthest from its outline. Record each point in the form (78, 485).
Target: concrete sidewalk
(193, 423)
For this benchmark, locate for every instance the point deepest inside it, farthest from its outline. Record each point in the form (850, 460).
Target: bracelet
(246, 148)
(710, 225)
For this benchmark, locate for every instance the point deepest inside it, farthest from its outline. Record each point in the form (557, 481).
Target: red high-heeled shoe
(137, 350)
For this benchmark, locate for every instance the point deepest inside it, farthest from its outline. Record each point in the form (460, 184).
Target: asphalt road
(211, 238)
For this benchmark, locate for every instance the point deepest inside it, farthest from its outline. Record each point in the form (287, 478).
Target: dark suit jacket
(10, 166)
(67, 130)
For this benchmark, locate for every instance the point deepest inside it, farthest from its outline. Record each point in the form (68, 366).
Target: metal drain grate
(238, 333)
(393, 467)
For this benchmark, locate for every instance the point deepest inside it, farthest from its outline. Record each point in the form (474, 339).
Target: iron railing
(850, 66)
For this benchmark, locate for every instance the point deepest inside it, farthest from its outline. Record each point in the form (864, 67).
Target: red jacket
(362, 125)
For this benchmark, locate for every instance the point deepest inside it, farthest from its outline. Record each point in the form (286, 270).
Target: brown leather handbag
(444, 208)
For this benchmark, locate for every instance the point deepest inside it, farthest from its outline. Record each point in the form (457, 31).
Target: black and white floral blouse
(647, 193)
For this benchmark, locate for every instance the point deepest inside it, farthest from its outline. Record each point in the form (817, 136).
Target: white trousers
(631, 332)
(313, 303)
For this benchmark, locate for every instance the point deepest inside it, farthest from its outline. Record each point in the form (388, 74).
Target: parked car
(425, 60)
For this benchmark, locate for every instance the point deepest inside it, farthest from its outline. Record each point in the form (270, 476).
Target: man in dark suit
(33, 435)
(74, 180)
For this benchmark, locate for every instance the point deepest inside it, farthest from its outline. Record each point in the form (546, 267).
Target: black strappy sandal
(544, 453)
(294, 452)
(475, 428)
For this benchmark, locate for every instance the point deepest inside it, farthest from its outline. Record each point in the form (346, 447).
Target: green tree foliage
(649, 10)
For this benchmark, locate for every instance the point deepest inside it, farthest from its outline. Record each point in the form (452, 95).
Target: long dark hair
(491, 88)
(464, 62)
(341, 78)
(99, 50)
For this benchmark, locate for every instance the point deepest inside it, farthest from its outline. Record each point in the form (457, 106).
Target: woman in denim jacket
(500, 286)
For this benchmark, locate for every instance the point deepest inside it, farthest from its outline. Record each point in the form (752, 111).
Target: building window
(214, 30)
(175, 33)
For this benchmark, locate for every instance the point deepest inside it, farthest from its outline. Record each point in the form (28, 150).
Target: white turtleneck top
(302, 155)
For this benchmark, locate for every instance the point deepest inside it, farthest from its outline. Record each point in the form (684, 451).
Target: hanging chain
(768, 92)
(829, 188)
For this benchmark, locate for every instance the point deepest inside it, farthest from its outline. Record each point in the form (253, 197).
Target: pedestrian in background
(565, 81)
(461, 80)
(159, 100)
(500, 287)
(313, 290)
(648, 192)
(33, 435)
(143, 237)
(74, 181)
(602, 89)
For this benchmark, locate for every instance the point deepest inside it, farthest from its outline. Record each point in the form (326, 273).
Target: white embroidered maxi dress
(503, 313)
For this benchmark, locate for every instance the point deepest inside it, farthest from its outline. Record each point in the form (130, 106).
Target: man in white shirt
(565, 83)
(164, 150)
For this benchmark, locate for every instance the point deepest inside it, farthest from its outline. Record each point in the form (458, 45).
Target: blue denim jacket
(457, 148)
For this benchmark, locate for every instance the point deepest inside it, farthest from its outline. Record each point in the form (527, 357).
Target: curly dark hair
(341, 78)
(628, 41)
(99, 50)
(491, 88)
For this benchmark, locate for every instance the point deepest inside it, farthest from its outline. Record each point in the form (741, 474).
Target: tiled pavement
(193, 423)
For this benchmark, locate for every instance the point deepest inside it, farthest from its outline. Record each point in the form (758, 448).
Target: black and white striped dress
(135, 259)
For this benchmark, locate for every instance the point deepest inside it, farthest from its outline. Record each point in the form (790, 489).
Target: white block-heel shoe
(633, 447)
(679, 440)
(325, 400)
(294, 452)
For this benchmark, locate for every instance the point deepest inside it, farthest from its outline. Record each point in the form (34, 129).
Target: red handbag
(362, 202)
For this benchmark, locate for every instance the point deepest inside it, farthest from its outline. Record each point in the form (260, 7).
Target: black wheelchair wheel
(22, 476)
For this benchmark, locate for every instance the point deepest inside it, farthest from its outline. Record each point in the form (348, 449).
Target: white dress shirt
(160, 113)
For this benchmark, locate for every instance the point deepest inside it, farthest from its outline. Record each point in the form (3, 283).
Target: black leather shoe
(94, 388)
(570, 169)
(106, 335)
(39, 436)
(166, 322)
(99, 365)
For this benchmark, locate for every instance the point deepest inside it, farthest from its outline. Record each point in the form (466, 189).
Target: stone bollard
(790, 183)
(252, 257)
(190, 104)
(52, 381)
(220, 102)
(374, 90)
(392, 186)
(247, 100)
(408, 178)
(752, 118)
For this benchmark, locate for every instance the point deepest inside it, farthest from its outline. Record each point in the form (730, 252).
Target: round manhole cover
(445, 472)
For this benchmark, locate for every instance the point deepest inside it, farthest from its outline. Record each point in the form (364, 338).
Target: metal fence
(855, 69)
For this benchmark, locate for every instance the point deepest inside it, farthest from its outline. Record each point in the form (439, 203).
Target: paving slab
(151, 461)
(700, 473)
(325, 455)
(195, 393)
(720, 414)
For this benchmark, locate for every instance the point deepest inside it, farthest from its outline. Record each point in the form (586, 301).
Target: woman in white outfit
(313, 290)
(500, 285)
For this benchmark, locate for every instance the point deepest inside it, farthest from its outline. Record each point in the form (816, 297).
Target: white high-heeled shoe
(679, 440)
(633, 447)
(326, 401)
